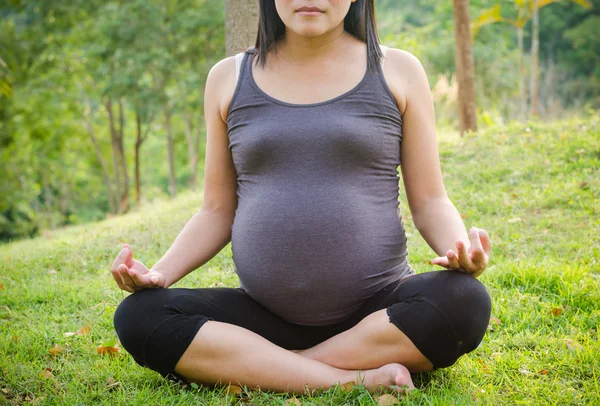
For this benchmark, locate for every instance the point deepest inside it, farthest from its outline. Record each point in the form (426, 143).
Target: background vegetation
(101, 101)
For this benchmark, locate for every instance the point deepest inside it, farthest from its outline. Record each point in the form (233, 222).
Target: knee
(134, 320)
(466, 306)
(470, 301)
(469, 306)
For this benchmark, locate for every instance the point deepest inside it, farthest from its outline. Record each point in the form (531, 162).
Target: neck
(311, 49)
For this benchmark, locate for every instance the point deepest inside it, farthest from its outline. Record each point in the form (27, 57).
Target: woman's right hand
(131, 275)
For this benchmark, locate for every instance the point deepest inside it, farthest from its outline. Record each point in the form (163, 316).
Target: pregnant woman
(305, 133)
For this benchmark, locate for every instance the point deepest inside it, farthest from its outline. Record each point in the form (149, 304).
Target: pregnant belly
(315, 259)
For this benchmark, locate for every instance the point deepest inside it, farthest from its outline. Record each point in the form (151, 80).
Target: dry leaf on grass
(57, 349)
(293, 401)
(557, 311)
(573, 345)
(111, 383)
(46, 373)
(83, 331)
(493, 322)
(543, 372)
(1, 286)
(108, 350)
(233, 390)
(524, 372)
(108, 347)
(386, 400)
(347, 387)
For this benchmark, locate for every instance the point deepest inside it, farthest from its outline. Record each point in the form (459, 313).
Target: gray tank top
(317, 229)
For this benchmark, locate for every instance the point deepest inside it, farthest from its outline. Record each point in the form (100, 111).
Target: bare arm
(209, 230)
(434, 215)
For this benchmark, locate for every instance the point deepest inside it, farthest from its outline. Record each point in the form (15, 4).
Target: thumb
(127, 255)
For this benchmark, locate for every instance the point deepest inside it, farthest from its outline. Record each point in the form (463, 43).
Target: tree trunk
(138, 144)
(115, 149)
(124, 171)
(192, 150)
(522, 74)
(111, 197)
(465, 68)
(535, 52)
(170, 152)
(241, 25)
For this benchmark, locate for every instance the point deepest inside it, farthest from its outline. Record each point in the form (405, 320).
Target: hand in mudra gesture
(472, 261)
(131, 275)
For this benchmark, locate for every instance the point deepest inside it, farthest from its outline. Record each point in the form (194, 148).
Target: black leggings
(445, 314)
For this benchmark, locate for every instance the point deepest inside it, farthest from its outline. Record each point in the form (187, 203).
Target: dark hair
(359, 22)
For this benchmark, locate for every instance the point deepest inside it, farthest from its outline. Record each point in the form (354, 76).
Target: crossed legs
(226, 353)
(221, 335)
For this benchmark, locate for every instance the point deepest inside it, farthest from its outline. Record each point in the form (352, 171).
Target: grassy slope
(536, 189)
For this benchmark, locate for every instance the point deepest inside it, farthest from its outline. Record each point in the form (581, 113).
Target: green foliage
(568, 54)
(61, 61)
(534, 187)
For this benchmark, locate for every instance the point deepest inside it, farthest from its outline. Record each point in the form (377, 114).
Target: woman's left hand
(472, 261)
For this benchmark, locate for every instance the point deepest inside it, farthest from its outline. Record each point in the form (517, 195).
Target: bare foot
(387, 376)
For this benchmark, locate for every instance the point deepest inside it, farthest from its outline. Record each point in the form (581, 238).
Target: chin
(309, 31)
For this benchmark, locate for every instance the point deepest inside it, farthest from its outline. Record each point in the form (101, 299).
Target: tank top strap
(240, 62)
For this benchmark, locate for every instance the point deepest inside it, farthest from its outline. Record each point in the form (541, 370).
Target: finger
(117, 277)
(127, 281)
(476, 252)
(140, 280)
(453, 259)
(125, 256)
(139, 267)
(463, 256)
(129, 255)
(441, 261)
(486, 242)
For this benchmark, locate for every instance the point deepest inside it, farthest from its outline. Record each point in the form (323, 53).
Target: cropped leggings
(444, 313)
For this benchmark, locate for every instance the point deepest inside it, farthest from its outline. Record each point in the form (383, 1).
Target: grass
(535, 187)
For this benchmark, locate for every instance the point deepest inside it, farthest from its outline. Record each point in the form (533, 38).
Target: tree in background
(465, 67)
(89, 91)
(241, 25)
(526, 10)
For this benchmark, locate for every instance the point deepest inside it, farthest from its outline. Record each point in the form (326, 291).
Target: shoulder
(403, 60)
(405, 75)
(220, 85)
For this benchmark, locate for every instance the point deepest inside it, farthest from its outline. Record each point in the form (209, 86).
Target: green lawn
(534, 187)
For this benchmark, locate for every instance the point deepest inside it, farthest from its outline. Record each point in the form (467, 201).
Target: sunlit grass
(535, 187)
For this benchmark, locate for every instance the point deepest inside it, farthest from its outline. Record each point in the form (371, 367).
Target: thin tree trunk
(465, 67)
(192, 150)
(111, 197)
(138, 143)
(535, 53)
(125, 195)
(522, 74)
(241, 25)
(115, 149)
(170, 152)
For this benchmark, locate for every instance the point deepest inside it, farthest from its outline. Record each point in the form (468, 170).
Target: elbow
(423, 210)
(226, 213)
